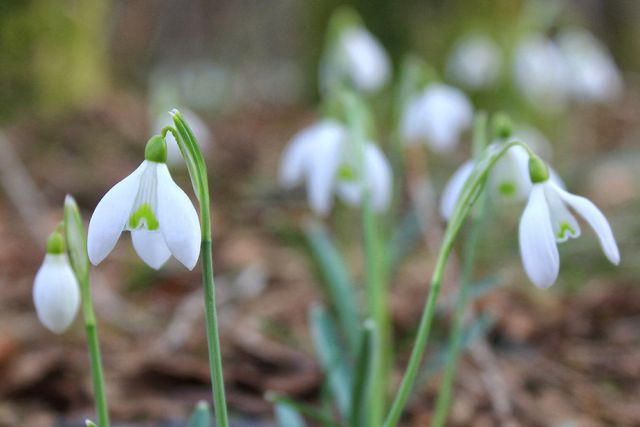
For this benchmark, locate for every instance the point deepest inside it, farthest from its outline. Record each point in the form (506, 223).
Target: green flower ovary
(507, 188)
(143, 213)
(347, 173)
(565, 228)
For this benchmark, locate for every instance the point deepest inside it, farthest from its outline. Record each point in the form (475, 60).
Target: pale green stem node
(55, 243)
(538, 170)
(156, 150)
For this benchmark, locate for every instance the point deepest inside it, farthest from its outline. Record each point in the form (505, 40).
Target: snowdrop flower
(547, 221)
(437, 115)
(200, 131)
(365, 59)
(353, 54)
(541, 73)
(475, 61)
(509, 180)
(56, 293)
(323, 157)
(594, 75)
(160, 216)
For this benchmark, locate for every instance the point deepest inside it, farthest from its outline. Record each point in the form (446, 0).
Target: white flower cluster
(549, 73)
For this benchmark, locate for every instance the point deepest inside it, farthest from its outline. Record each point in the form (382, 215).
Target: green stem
(473, 188)
(198, 172)
(443, 401)
(97, 374)
(213, 337)
(376, 295)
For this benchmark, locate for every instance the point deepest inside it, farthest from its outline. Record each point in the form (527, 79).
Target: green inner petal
(565, 228)
(144, 213)
(346, 173)
(507, 188)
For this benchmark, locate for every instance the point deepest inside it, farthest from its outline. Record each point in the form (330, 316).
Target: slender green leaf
(339, 285)
(288, 416)
(331, 358)
(200, 417)
(323, 417)
(363, 369)
(405, 238)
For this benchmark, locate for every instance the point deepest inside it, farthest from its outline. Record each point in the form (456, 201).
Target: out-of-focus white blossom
(541, 73)
(594, 75)
(475, 61)
(322, 157)
(437, 116)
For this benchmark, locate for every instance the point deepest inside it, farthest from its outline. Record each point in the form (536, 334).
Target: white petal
(378, 176)
(537, 243)
(56, 294)
(475, 61)
(178, 220)
(367, 61)
(111, 215)
(150, 246)
(294, 163)
(446, 113)
(323, 166)
(453, 189)
(412, 126)
(596, 220)
(565, 225)
(509, 177)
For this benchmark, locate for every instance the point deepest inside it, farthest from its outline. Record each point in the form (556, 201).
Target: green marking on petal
(565, 228)
(507, 188)
(144, 213)
(346, 173)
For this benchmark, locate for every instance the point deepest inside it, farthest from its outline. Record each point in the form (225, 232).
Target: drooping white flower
(198, 126)
(322, 157)
(56, 293)
(541, 73)
(437, 116)
(160, 216)
(475, 61)
(366, 61)
(508, 180)
(547, 221)
(594, 75)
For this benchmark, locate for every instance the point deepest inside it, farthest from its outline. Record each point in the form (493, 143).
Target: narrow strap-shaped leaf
(405, 237)
(302, 409)
(331, 358)
(200, 417)
(339, 284)
(362, 373)
(288, 416)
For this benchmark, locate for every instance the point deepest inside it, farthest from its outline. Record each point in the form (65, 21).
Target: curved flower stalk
(56, 293)
(200, 130)
(437, 116)
(149, 204)
(509, 180)
(594, 74)
(353, 55)
(471, 191)
(547, 221)
(328, 162)
(541, 73)
(192, 155)
(475, 61)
